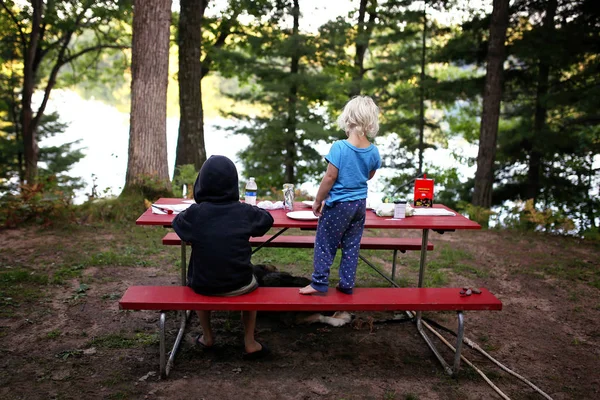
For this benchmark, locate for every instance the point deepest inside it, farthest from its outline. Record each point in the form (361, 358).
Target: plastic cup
(400, 210)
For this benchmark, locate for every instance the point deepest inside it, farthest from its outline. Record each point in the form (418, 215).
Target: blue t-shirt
(354, 166)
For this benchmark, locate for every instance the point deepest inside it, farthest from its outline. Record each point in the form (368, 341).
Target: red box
(423, 192)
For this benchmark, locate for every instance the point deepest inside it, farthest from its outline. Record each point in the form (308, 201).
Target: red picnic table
(441, 224)
(438, 223)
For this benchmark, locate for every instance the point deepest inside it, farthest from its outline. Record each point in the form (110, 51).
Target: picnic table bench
(183, 298)
(308, 242)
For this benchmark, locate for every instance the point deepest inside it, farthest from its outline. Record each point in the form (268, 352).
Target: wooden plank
(308, 242)
(288, 299)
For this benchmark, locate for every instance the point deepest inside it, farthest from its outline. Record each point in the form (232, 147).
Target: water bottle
(251, 189)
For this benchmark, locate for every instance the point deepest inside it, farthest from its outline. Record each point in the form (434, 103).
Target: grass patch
(17, 286)
(65, 273)
(574, 270)
(53, 334)
(446, 259)
(18, 276)
(121, 341)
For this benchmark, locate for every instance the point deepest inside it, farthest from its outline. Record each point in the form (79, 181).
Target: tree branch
(224, 32)
(89, 49)
(16, 21)
(51, 80)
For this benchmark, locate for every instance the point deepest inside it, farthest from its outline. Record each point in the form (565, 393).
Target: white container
(250, 195)
(288, 196)
(400, 210)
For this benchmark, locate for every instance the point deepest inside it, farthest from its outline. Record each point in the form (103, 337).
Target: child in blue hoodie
(219, 227)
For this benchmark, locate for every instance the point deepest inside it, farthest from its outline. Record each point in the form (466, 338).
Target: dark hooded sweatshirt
(219, 228)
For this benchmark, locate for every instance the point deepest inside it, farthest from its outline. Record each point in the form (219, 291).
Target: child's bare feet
(203, 342)
(308, 290)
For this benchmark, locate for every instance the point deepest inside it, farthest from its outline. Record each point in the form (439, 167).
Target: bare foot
(204, 342)
(308, 290)
(253, 347)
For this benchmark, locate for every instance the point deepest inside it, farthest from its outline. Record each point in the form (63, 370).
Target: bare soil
(69, 341)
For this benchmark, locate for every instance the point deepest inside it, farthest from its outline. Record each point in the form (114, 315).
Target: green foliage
(478, 214)
(67, 40)
(292, 124)
(549, 134)
(526, 216)
(124, 209)
(44, 203)
(184, 175)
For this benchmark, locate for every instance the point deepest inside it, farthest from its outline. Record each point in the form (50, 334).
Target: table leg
(165, 367)
(269, 241)
(394, 265)
(459, 340)
(424, 239)
(461, 328)
(183, 265)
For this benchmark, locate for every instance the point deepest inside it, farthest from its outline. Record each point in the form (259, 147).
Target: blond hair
(360, 115)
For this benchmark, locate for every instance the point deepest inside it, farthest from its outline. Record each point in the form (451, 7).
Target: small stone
(90, 351)
(148, 375)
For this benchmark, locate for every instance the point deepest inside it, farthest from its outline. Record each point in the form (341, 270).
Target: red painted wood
(288, 299)
(308, 242)
(372, 221)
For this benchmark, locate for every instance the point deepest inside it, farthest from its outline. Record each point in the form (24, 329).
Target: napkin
(269, 205)
(169, 208)
(432, 212)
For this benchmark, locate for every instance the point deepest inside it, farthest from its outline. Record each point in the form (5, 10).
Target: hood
(217, 181)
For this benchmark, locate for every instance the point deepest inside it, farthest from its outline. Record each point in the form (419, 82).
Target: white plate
(302, 215)
(308, 203)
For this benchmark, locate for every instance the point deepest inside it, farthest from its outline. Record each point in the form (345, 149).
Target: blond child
(342, 195)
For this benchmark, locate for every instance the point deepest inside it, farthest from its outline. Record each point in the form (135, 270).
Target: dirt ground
(65, 346)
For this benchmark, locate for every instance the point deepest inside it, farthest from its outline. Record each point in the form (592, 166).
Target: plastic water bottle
(251, 189)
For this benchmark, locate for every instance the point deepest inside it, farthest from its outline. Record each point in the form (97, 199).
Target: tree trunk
(290, 147)
(539, 124)
(422, 93)
(30, 146)
(363, 36)
(492, 96)
(147, 166)
(190, 143)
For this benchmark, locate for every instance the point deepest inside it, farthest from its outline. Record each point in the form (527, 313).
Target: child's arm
(183, 224)
(371, 174)
(262, 221)
(326, 184)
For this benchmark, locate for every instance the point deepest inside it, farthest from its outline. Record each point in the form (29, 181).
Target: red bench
(165, 298)
(308, 242)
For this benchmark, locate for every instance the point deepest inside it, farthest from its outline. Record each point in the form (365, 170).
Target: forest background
(518, 80)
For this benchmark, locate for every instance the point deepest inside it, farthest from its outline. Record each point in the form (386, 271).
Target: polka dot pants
(341, 223)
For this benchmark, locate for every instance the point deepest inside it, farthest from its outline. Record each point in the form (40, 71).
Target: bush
(43, 203)
(525, 216)
(125, 208)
